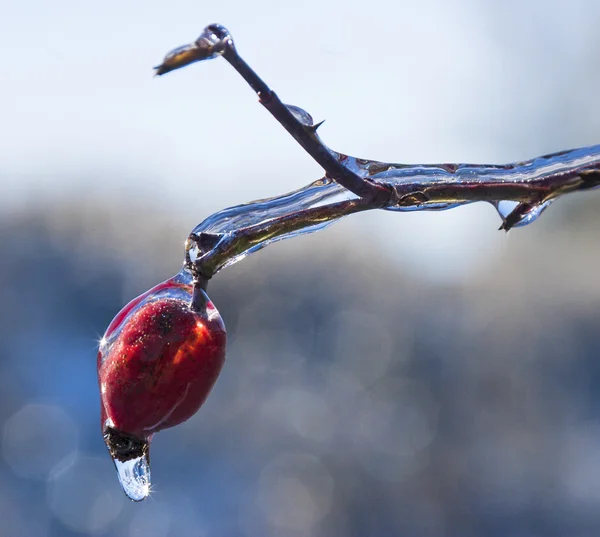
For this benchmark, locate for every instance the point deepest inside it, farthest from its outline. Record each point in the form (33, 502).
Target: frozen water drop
(505, 207)
(134, 476)
(301, 115)
(532, 214)
(516, 214)
(131, 456)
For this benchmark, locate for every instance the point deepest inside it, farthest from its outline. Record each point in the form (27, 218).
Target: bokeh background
(397, 374)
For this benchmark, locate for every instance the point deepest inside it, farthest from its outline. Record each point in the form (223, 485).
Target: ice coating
(363, 184)
(208, 46)
(301, 115)
(180, 287)
(519, 191)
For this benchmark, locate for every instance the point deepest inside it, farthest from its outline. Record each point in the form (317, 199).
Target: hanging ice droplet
(134, 476)
(301, 115)
(516, 214)
(131, 456)
(505, 207)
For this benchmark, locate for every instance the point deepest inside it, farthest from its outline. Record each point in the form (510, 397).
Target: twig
(360, 184)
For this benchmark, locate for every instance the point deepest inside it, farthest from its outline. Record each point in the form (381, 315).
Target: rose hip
(157, 363)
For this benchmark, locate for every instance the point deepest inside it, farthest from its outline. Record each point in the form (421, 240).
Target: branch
(352, 184)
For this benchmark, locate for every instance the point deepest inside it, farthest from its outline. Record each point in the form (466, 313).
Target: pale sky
(428, 81)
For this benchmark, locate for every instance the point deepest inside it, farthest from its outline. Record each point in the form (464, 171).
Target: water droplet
(134, 476)
(516, 214)
(301, 115)
(533, 213)
(131, 456)
(505, 207)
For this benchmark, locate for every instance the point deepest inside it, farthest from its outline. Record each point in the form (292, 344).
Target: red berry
(157, 363)
(159, 360)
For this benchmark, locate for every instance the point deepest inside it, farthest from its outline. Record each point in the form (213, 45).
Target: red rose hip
(157, 363)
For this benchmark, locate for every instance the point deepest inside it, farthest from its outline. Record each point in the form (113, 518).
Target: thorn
(313, 128)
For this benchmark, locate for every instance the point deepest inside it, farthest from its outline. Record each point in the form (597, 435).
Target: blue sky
(400, 81)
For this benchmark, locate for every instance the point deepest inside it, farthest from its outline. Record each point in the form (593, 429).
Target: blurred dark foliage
(357, 399)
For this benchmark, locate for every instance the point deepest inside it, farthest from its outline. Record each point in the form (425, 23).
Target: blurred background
(397, 374)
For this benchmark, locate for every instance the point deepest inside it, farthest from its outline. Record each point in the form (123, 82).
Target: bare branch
(352, 184)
